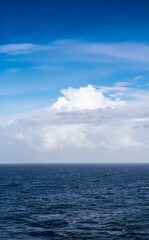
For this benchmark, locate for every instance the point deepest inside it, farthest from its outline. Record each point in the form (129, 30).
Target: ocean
(70, 201)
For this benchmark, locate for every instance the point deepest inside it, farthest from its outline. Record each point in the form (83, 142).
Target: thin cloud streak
(23, 48)
(75, 50)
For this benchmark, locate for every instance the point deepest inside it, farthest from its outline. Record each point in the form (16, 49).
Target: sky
(74, 81)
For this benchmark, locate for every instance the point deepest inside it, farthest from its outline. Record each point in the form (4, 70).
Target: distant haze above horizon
(74, 81)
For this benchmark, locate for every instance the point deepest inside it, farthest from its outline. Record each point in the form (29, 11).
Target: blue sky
(74, 56)
(45, 21)
(33, 79)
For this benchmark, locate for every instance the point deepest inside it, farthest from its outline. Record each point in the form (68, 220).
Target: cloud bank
(87, 118)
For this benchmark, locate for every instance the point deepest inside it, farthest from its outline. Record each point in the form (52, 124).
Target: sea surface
(74, 201)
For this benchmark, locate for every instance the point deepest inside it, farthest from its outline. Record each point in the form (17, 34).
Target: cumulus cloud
(85, 98)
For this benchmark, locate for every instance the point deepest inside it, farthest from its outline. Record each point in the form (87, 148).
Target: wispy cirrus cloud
(22, 48)
(47, 68)
(83, 51)
(129, 51)
(124, 50)
(17, 48)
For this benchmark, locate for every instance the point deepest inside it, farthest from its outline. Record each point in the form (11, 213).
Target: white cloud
(85, 98)
(67, 135)
(87, 120)
(91, 129)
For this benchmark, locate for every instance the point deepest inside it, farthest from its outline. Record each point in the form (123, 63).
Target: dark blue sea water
(74, 202)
